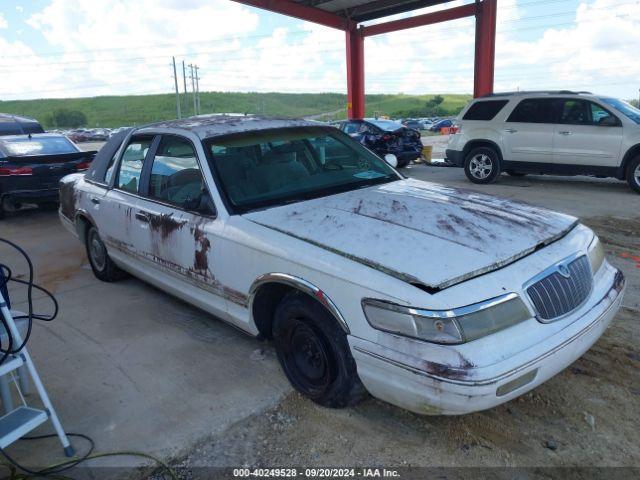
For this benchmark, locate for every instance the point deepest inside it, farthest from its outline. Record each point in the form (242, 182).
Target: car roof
(209, 126)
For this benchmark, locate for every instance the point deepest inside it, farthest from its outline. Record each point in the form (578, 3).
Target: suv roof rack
(529, 92)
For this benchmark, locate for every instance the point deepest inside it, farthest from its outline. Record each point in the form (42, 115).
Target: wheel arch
(267, 291)
(482, 142)
(632, 153)
(83, 222)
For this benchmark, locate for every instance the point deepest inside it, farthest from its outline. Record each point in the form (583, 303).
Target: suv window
(485, 110)
(131, 164)
(584, 112)
(175, 174)
(536, 110)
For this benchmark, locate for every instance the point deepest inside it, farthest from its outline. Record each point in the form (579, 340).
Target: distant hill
(128, 110)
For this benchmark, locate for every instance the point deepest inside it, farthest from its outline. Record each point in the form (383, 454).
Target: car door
(118, 207)
(528, 132)
(588, 135)
(179, 232)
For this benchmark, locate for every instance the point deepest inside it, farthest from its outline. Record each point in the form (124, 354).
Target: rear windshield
(22, 146)
(484, 110)
(281, 166)
(386, 125)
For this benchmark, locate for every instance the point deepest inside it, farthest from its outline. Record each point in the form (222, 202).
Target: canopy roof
(363, 10)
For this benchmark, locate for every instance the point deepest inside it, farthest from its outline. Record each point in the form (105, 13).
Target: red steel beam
(484, 64)
(297, 10)
(355, 73)
(421, 20)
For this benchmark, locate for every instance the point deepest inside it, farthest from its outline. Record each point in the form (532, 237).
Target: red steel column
(355, 73)
(485, 47)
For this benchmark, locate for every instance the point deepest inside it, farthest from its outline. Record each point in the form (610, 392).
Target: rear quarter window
(485, 110)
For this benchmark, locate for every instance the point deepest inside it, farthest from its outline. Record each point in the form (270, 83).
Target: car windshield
(627, 109)
(282, 166)
(20, 146)
(386, 125)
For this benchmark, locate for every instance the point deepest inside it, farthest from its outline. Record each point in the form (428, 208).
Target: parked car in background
(415, 124)
(385, 137)
(17, 125)
(32, 165)
(99, 134)
(440, 124)
(554, 132)
(438, 300)
(79, 135)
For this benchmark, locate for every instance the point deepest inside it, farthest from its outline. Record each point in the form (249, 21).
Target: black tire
(314, 353)
(482, 165)
(48, 206)
(633, 174)
(403, 163)
(511, 173)
(101, 264)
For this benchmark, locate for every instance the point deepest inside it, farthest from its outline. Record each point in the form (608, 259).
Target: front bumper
(454, 157)
(432, 388)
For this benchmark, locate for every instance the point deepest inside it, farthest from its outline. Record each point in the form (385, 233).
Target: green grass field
(135, 110)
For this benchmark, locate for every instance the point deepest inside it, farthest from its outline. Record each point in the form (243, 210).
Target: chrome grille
(562, 291)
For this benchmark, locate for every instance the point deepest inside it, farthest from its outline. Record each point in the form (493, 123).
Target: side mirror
(391, 159)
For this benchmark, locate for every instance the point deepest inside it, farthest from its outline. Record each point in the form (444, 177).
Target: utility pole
(198, 90)
(184, 79)
(175, 79)
(193, 90)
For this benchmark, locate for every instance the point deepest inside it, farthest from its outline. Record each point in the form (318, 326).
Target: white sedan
(438, 300)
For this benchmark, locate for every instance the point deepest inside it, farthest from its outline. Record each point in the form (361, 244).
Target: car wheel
(511, 173)
(403, 163)
(101, 264)
(314, 353)
(48, 206)
(633, 174)
(482, 165)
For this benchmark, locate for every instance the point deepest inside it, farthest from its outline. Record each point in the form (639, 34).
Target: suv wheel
(314, 353)
(482, 165)
(633, 174)
(101, 264)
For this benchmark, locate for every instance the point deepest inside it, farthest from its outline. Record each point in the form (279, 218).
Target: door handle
(95, 201)
(511, 130)
(565, 133)
(142, 216)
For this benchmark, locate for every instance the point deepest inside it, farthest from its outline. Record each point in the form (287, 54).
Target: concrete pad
(128, 365)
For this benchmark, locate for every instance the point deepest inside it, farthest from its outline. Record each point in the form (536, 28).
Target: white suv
(559, 133)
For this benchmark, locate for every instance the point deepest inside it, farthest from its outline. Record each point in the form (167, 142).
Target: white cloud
(121, 47)
(19, 8)
(3, 22)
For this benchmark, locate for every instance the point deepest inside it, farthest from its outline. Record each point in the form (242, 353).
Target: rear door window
(131, 163)
(484, 110)
(584, 112)
(175, 174)
(536, 110)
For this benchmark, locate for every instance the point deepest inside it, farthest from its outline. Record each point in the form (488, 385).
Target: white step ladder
(21, 420)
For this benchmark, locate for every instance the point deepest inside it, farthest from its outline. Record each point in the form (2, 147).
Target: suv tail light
(15, 171)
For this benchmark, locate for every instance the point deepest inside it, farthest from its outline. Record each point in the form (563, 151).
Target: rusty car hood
(427, 234)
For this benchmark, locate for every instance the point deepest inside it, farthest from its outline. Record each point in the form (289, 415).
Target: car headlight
(595, 252)
(453, 326)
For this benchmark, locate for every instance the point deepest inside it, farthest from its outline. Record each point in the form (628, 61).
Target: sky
(80, 48)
